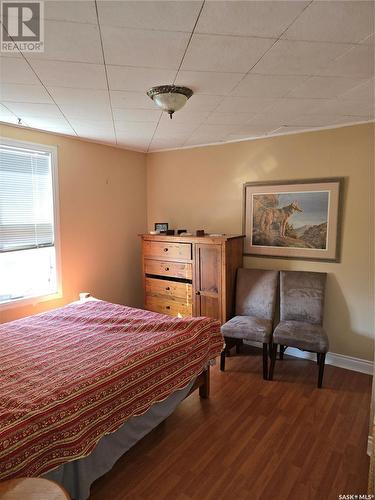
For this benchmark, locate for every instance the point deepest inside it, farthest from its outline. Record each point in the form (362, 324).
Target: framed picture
(161, 226)
(293, 219)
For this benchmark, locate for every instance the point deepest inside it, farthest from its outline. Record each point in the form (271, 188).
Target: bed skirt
(77, 476)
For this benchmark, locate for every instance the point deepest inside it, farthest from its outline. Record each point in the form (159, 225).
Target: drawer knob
(167, 307)
(167, 268)
(197, 293)
(165, 249)
(167, 288)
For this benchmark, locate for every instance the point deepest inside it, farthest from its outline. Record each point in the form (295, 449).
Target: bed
(89, 377)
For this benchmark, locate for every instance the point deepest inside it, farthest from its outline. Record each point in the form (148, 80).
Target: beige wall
(202, 188)
(102, 209)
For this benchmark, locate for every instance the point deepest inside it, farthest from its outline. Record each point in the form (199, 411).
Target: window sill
(29, 301)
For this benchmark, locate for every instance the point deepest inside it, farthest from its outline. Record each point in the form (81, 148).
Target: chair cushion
(249, 328)
(302, 335)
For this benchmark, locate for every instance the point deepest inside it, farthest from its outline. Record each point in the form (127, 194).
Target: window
(28, 222)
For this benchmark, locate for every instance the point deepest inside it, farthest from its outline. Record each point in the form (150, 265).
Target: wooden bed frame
(202, 382)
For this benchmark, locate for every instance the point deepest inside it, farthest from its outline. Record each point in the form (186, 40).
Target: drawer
(168, 289)
(166, 250)
(168, 306)
(164, 268)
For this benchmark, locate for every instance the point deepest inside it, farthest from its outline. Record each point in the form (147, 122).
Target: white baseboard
(370, 445)
(347, 362)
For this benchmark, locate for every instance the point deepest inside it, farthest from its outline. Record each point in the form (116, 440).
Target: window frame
(52, 149)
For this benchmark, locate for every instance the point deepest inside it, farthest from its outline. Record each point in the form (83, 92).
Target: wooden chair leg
(322, 359)
(222, 360)
(318, 358)
(273, 360)
(265, 361)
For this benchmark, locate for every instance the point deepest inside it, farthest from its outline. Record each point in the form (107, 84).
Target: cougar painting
(279, 216)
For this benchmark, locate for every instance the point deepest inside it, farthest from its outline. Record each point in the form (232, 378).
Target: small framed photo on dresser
(162, 227)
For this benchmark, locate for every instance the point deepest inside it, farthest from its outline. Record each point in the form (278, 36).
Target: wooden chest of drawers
(191, 276)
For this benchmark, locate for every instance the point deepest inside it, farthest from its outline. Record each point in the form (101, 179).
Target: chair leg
(222, 360)
(273, 360)
(282, 349)
(265, 361)
(318, 358)
(239, 344)
(322, 358)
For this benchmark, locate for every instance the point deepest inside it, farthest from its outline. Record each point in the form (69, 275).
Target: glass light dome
(170, 98)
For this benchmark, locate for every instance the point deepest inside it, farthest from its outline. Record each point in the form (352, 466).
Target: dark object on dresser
(301, 316)
(256, 293)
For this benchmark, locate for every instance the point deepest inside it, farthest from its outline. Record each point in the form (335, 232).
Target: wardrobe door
(208, 280)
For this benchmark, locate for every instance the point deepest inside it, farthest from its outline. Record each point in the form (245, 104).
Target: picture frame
(295, 219)
(162, 227)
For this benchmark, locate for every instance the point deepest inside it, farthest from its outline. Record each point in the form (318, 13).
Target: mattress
(72, 375)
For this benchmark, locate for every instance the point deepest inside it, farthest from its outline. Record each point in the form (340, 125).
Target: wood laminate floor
(253, 439)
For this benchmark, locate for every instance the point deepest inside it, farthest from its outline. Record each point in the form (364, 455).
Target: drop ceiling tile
(84, 98)
(284, 111)
(24, 93)
(247, 131)
(135, 128)
(201, 103)
(324, 87)
(171, 128)
(65, 41)
(369, 40)
(267, 86)
(299, 58)
(216, 118)
(350, 107)
(142, 48)
(208, 133)
(319, 120)
(91, 125)
(160, 144)
(138, 79)
(70, 74)
(7, 116)
(285, 129)
(363, 92)
(357, 62)
(131, 100)
(32, 110)
(16, 70)
(136, 144)
(78, 12)
(268, 19)
(160, 15)
(79, 103)
(208, 82)
(186, 116)
(177, 138)
(334, 21)
(233, 104)
(85, 111)
(98, 136)
(57, 125)
(224, 53)
(136, 115)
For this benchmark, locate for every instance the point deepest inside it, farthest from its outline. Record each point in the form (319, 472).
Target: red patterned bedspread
(72, 375)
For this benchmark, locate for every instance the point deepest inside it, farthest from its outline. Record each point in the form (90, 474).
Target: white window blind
(26, 199)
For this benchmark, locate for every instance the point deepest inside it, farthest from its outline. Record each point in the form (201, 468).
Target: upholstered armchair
(256, 292)
(301, 317)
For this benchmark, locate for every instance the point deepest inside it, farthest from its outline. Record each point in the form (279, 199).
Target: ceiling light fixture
(169, 98)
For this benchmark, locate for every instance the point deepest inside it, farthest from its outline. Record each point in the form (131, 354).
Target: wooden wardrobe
(191, 275)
